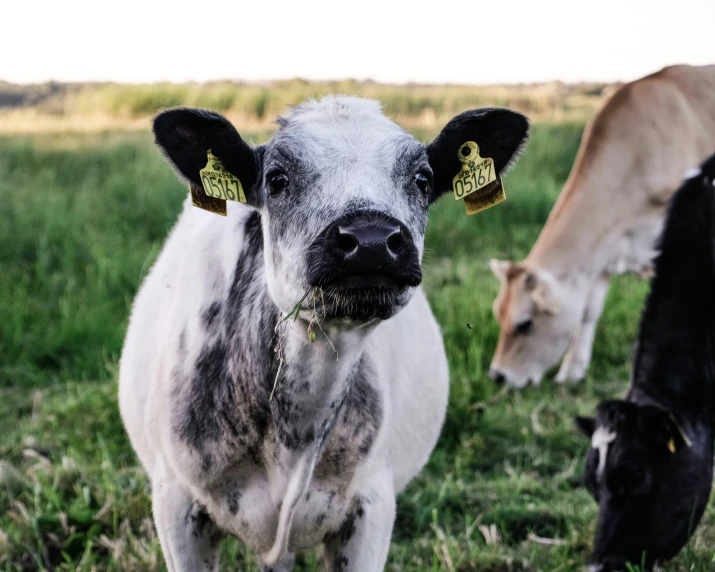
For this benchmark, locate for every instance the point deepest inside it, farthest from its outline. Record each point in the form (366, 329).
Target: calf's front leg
(189, 539)
(363, 541)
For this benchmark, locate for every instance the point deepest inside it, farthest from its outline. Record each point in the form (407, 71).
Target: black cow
(651, 464)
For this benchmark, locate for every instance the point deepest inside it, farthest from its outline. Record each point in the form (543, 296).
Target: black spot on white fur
(200, 523)
(345, 534)
(359, 420)
(233, 500)
(210, 316)
(223, 397)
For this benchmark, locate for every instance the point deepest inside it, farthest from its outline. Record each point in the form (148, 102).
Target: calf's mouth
(363, 266)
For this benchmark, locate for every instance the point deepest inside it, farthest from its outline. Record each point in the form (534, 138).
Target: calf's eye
(278, 183)
(523, 327)
(422, 181)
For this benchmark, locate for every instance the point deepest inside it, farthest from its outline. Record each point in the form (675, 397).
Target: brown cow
(632, 158)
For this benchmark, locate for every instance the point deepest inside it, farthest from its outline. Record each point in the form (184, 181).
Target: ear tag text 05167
(219, 186)
(477, 183)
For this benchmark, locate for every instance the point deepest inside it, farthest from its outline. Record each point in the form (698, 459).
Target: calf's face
(651, 483)
(343, 194)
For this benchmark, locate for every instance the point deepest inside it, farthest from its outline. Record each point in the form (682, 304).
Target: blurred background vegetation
(98, 106)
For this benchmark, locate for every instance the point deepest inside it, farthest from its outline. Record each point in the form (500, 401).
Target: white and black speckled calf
(337, 206)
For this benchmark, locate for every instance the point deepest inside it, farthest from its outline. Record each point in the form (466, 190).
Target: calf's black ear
(185, 136)
(500, 133)
(585, 425)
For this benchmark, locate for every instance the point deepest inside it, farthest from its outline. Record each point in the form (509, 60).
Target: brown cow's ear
(499, 268)
(500, 133)
(544, 299)
(585, 425)
(186, 135)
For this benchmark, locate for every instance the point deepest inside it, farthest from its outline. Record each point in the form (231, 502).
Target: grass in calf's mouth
(312, 324)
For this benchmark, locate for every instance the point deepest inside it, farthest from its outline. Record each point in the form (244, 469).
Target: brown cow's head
(537, 316)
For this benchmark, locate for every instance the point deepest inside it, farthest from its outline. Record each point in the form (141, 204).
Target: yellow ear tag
(219, 183)
(683, 435)
(477, 183)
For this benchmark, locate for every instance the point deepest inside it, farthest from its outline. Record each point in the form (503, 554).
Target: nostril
(395, 243)
(346, 242)
(496, 376)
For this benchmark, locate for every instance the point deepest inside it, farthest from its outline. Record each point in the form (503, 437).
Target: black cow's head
(651, 479)
(650, 464)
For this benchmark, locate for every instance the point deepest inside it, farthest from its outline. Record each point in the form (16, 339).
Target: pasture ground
(83, 216)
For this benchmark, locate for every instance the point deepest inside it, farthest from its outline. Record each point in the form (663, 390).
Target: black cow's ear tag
(672, 446)
(477, 182)
(219, 186)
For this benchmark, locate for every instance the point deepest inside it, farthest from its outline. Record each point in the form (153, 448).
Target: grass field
(83, 217)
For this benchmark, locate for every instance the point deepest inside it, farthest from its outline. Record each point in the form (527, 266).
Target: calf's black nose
(368, 246)
(380, 238)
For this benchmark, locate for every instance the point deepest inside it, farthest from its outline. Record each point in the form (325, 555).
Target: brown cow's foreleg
(578, 356)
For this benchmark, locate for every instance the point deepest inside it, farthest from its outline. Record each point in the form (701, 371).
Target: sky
(467, 41)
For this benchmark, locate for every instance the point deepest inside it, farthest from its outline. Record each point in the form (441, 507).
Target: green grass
(84, 216)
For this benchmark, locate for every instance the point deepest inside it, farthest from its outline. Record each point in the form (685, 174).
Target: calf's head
(537, 316)
(343, 194)
(651, 479)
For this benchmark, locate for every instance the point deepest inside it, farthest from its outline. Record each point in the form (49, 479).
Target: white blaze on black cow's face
(343, 194)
